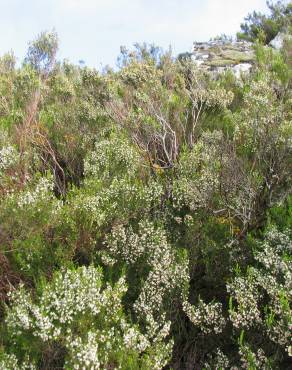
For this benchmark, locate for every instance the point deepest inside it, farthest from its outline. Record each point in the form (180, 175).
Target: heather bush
(78, 322)
(145, 213)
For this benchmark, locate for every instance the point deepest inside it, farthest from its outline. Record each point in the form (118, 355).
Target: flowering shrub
(12, 176)
(167, 278)
(8, 157)
(199, 173)
(114, 157)
(25, 216)
(160, 172)
(218, 360)
(87, 320)
(42, 192)
(253, 360)
(259, 310)
(208, 317)
(10, 362)
(272, 279)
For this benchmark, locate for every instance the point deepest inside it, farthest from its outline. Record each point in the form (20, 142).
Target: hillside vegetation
(145, 213)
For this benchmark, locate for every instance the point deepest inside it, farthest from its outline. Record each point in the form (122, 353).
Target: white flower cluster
(69, 295)
(273, 278)
(168, 276)
(111, 157)
(10, 362)
(86, 320)
(276, 244)
(259, 93)
(199, 175)
(246, 293)
(276, 280)
(260, 117)
(165, 283)
(84, 353)
(116, 200)
(42, 192)
(104, 199)
(133, 339)
(212, 98)
(124, 243)
(252, 360)
(8, 157)
(217, 360)
(208, 317)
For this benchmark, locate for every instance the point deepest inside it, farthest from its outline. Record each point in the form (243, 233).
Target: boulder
(278, 41)
(240, 68)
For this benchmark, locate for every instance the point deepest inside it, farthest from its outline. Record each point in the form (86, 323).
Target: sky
(94, 30)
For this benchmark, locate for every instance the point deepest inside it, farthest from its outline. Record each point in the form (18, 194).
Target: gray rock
(278, 41)
(241, 68)
(219, 55)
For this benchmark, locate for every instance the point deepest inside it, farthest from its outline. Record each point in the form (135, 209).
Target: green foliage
(42, 52)
(74, 313)
(145, 214)
(258, 26)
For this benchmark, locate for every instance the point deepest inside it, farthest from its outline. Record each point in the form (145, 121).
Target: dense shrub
(145, 214)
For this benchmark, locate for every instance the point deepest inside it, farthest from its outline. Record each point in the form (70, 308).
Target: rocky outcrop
(220, 55)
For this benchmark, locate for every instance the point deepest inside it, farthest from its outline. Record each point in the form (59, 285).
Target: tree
(266, 27)
(41, 53)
